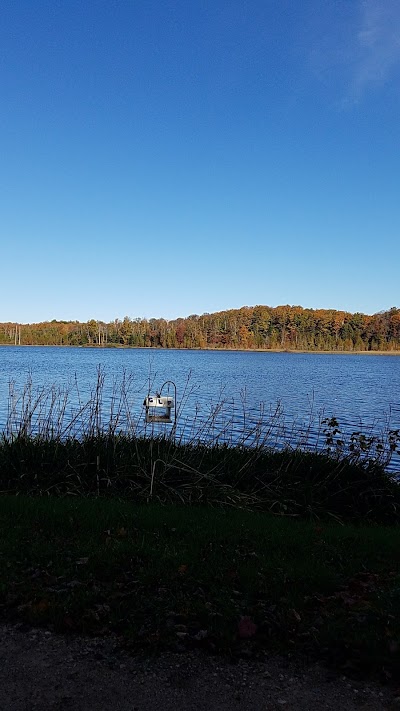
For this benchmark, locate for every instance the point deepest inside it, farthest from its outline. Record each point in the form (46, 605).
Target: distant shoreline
(120, 346)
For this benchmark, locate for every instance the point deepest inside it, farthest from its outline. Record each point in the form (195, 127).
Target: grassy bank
(177, 577)
(292, 483)
(122, 346)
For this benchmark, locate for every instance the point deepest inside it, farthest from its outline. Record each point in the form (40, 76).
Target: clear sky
(160, 158)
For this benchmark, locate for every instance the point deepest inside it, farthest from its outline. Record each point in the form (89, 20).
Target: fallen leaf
(246, 627)
(41, 606)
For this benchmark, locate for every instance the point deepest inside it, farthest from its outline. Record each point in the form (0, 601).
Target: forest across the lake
(247, 328)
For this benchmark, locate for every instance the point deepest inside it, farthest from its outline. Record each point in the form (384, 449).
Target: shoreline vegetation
(258, 328)
(58, 441)
(214, 541)
(121, 346)
(317, 486)
(230, 350)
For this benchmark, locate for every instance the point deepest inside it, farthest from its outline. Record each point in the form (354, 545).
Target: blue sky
(160, 158)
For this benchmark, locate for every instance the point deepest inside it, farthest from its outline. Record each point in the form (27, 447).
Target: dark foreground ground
(43, 671)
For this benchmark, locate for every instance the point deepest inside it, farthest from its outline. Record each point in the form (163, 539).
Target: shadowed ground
(41, 671)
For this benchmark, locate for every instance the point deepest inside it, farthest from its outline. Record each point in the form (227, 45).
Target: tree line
(258, 327)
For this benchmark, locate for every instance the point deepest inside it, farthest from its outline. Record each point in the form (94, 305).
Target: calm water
(360, 391)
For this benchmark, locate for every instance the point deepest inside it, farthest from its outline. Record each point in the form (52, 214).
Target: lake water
(293, 391)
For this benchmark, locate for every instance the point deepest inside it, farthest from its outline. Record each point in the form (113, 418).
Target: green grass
(162, 576)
